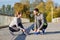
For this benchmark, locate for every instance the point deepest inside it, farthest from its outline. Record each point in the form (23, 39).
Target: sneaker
(43, 31)
(37, 33)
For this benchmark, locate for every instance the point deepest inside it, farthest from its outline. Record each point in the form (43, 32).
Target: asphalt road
(52, 33)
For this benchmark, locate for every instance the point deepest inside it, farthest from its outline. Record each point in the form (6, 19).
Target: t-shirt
(37, 18)
(18, 20)
(15, 21)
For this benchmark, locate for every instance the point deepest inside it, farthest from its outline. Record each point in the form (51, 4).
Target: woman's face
(20, 15)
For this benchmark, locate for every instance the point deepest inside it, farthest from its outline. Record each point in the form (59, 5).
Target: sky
(12, 2)
(57, 1)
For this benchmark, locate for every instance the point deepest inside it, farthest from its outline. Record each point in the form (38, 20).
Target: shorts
(43, 27)
(13, 30)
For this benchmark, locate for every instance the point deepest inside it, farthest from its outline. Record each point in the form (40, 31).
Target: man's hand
(38, 30)
(35, 30)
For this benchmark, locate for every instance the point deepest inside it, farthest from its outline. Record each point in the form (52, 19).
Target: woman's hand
(38, 30)
(23, 30)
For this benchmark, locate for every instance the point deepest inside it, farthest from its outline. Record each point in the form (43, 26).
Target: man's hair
(36, 9)
(19, 13)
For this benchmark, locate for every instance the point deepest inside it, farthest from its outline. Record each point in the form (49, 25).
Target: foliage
(24, 8)
(46, 7)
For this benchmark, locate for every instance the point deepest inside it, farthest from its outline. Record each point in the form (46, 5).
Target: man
(40, 21)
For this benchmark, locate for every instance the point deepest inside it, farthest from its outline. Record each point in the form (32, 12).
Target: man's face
(34, 12)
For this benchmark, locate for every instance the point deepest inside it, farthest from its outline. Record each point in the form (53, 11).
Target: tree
(8, 9)
(59, 12)
(12, 11)
(18, 7)
(35, 3)
(25, 1)
(49, 6)
(49, 17)
(41, 6)
(45, 7)
(3, 9)
(24, 8)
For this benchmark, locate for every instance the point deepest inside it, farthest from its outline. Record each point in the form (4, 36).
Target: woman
(16, 23)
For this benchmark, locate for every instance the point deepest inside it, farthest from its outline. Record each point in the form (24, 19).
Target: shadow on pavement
(56, 32)
(47, 33)
(23, 37)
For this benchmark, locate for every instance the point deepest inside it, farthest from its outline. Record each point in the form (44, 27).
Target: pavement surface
(52, 33)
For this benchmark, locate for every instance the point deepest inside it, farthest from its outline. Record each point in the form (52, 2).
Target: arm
(42, 21)
(19, 23)
(35, 22)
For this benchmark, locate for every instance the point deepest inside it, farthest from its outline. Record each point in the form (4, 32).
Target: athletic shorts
(43, 27)
(13, 30)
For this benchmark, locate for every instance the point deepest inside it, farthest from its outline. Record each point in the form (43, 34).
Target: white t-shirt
(14, 22)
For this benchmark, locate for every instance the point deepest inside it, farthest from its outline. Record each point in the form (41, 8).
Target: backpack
(45, 21)
(45, 24)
